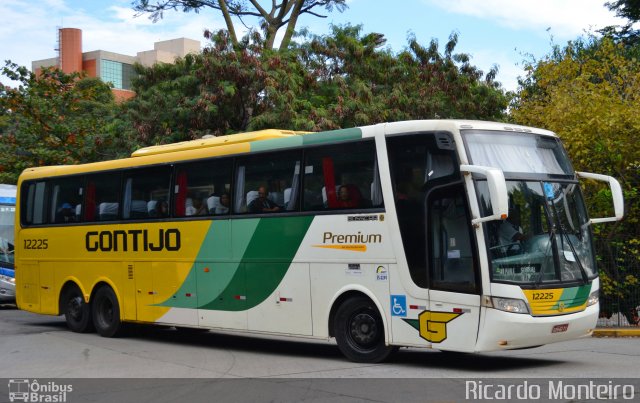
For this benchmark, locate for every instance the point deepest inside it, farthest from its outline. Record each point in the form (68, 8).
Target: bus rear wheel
(359, 331)
(77, 312)
(106, 313)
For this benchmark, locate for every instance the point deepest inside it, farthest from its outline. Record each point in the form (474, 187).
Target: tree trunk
(227, 20)
(291, 25)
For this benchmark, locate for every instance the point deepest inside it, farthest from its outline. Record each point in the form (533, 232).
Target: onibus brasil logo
(26, 390)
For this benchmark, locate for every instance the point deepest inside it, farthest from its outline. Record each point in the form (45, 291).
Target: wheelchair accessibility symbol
(398, 305)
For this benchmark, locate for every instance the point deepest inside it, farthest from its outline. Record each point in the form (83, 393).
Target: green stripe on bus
(332, 136)
(574, 296)
(271, 244)
(264, 264)
(307, 139)
(216, 252)
(274, 144)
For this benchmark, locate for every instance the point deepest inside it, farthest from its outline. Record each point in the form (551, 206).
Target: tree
(589, 94)
(360, 82)
(282, 14)
(328, 82)
(630, 10)
(168, 106)
(53, 119)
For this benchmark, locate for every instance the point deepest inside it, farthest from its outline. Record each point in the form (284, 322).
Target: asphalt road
(35, 346)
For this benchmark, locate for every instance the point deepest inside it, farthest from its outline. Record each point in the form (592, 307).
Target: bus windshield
(546, 237)
(517, 152)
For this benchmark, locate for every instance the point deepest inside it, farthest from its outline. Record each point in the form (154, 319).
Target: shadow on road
(309, 349)
(418, 358)
(238, 343)
(470, 362)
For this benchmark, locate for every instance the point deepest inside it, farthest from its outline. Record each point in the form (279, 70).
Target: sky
(492, 32)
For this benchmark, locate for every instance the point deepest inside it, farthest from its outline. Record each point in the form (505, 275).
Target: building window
(116, 73)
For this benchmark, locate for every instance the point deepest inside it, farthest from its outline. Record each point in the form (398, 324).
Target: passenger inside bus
(66, 213)
(262, 204)
(158, 208)
(349, 197)
(194, 206)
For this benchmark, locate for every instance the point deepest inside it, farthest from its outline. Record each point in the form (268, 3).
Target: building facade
(111, 67)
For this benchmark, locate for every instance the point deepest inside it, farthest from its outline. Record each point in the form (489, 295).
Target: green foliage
(589, 93)
(629, 9)
(327, 82)
(168, 106)
(55, 119)
(626, 34)
(359, 82)
(339, 80)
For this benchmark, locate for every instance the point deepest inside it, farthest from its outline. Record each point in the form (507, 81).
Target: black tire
(106, 313)
(77, 312)
(359, 331)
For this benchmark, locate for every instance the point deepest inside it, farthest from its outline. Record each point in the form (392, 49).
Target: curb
(616, 332)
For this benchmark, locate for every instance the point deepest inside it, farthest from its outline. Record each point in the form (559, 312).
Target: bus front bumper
(504, 330)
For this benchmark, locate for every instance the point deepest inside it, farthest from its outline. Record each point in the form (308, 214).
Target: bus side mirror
(497, 192)
(616, 194)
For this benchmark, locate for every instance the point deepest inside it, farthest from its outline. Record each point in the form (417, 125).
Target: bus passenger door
(452, 320)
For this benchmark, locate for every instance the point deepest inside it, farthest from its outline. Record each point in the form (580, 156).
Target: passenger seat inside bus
(215, 207)
(251, 196)
(108, 211)
(138, 209)
(189, 209)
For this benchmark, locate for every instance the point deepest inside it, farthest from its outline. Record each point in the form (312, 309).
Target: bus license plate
(560, 328)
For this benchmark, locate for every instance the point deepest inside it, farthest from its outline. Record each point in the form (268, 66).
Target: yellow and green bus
(457, 235)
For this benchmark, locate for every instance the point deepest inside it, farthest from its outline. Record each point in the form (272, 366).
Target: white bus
(456, 235)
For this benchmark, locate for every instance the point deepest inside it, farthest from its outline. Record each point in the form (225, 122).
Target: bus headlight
(594, 297)
(512, 305)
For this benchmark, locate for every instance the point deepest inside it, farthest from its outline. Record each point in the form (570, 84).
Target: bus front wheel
(106, 313)
(359, 331)
(77, 313)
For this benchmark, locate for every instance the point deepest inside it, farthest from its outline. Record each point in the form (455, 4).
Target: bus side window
(141, 186)
(268, 184)
(33, 205)
(342, 177)
(202, 188)
(101, 198)
(66, 199)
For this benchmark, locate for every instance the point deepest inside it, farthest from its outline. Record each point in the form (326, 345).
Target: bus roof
(262, 140)
(216, 141)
